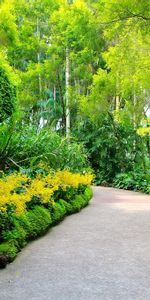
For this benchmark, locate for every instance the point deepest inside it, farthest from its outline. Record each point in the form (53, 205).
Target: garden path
(101, 253)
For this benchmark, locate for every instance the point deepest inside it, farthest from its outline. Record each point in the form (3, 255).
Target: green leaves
(8, 27)
(7, 96)
(135, 180)
(112, 147)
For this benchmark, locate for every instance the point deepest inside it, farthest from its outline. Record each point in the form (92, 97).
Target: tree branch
(126, 18)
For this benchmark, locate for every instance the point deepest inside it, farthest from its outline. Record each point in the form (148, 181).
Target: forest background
(74, 88)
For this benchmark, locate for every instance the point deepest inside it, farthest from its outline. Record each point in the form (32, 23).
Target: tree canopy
(77, 63)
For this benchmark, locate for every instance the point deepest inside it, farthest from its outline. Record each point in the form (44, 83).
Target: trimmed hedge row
(36, 222)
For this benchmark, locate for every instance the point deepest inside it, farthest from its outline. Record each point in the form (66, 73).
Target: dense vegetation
(81, 70)
(74, 92)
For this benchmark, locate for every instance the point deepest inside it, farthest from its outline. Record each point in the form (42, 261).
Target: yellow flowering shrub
(18, 189)
(42, 188)
(143, 131)
(68, 179)
(8, 185)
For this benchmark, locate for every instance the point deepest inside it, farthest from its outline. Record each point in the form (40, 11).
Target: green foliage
(17, 236)
(112, 147)
(7, 96)
(67, 206)
(8, 252)
(77, 204)
(108, 52)
(137, 181)
(28, 148)
(7, 130)
(68, 194)
(58, 212)
(8, 28)
(118, 13)
(88, 194)
(81, 201)
(28, 226)
(35, 222)
(7, 220)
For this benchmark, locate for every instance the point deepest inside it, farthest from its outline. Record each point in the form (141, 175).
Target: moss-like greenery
(36, 222)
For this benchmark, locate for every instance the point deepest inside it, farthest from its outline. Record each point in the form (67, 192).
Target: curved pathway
(101, 253)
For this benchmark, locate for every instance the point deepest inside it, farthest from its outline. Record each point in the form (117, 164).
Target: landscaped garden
(74, 109)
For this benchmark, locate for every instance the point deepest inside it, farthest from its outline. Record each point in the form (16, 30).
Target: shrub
(112, 147)
(24, 193)
(17, 236)
(6, 219)
(81, 201)
(8, 252)
(88, 194)
(27, 227)
(67, 206)
(58, 212)
(29, 206)
(77, 203)
(137, 181)
(34, 223)
(30, 146)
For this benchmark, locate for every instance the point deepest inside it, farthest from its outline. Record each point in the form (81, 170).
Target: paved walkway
(101, 253)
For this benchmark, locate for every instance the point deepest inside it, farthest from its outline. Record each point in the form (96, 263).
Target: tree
(7, 95)
(8, 27)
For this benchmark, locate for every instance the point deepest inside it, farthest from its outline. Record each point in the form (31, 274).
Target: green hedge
(36, 222)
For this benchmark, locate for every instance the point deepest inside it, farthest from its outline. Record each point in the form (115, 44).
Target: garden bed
(31, 206)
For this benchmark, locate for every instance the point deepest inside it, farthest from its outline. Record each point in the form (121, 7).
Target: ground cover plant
(136, 181)
(29, 206)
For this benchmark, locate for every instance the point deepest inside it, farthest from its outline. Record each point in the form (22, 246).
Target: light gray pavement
(101, 253)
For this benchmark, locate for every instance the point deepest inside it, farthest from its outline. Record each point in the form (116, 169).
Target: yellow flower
(42, 187)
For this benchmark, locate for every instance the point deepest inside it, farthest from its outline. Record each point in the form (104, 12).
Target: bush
(35, 222)
(112, 147)
(8, 252)
(29, 146)
(58, 212)
(6, 220)
(81, 201)
(28, 226)
(68, 206)
(137, 181)
(22, 193)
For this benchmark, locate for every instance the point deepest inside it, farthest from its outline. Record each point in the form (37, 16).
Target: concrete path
(101, 253)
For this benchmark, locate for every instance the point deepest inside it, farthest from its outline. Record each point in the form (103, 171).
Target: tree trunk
(38, 58)
(62, 103)
(67, 94)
